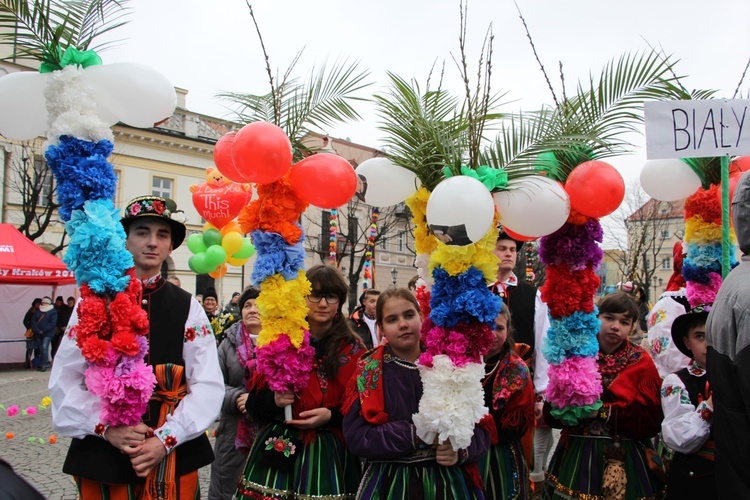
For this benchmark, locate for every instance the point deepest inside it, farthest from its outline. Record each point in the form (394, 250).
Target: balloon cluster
(460, 209)
(260, 152)
(216, 248)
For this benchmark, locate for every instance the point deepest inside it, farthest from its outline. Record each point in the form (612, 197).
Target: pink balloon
(324, 180)
(261, 152)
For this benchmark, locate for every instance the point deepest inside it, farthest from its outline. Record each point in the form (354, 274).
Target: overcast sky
(211, 46)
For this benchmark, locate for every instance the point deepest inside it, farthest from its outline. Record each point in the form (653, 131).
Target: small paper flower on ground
(52, 439)
(12, 411)
(9, 435)
(46, 401)
(31, 410)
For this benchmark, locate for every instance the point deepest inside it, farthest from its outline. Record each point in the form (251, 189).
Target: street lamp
(394, 275)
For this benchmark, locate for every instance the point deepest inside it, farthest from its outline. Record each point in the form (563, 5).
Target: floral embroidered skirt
(422, 480)
(323, 469)
(505, 472)
(577, 468)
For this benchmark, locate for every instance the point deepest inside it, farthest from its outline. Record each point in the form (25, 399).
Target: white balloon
(385, 183)
(23, 111)
(460, 210)
(533, 206)
(669, 179)
(133, 93)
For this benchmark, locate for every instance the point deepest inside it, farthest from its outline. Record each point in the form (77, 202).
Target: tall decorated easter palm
(593, 124)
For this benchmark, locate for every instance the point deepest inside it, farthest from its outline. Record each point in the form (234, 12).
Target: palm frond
(43, 29)
(424, 131)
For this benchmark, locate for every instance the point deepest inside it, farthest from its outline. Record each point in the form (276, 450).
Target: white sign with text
(696, 129)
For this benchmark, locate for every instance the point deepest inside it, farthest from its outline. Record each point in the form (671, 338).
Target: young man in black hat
(171, 439)
(688, 413)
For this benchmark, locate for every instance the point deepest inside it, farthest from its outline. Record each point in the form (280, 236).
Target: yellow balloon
(233, 226)
(236, 262)
(208, 226)
(232, 242)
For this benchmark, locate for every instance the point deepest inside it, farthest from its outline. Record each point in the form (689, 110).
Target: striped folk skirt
(324, 469)
(577, 468)
(505, 472)
(416, 481)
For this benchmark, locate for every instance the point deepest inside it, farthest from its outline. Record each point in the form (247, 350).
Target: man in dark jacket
(362, 319)
(43, 323)
(728, 359)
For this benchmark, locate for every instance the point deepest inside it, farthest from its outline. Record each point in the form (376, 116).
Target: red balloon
(595, 188)
(734, 178)
(261, 152)
(219, 204)
(324, 180)
(518, 237)
(223, 158)
(740, 164)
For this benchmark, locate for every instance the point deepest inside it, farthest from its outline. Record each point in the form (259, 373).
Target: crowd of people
(351, 433)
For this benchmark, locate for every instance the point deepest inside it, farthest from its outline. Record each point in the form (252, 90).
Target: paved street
(40, 464)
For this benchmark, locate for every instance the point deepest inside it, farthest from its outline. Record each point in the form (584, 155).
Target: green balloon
(211, 237)
(216, 255)
(195, 243)
(197, 263)
(247, 250)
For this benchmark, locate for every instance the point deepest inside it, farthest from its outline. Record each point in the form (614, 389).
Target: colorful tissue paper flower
(699, 232)
(275, 256)
(574, 382)
(12, 411)
(423, 298)
(424, 241)
(452, 402)
(566, 292)
(464, 343)
(52, 439)
(285, 366)
(282, 307)
(699, 274)
(82, 172)
(31, 410)
(46, 401)
(704, 202)
(457, 260)
(276, 210)
(574, 335)
(704, 255)
(573, 245)
(96, 252)
(703, 293)
(462, 298)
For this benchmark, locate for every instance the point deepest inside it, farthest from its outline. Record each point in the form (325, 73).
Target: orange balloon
(208, 226)
(232, 226)
(219, 273)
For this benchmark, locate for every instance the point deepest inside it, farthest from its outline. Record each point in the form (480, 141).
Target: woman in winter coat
(43, 323)
(236, 431)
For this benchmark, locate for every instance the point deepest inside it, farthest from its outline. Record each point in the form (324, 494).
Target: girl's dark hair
(327, 279)
(393, 293)
(619, 303)
(510, 343)
(248, 293)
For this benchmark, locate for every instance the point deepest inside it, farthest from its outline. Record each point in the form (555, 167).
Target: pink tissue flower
(13, 411)
(31, 410)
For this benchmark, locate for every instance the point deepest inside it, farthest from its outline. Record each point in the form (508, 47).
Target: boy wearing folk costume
(688, 412)
(169, 445)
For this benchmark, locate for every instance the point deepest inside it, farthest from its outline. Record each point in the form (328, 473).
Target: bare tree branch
(536, 55)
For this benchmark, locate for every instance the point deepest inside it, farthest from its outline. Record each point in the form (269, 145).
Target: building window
(44, 181)
(383, 243)
(400, 242)
(162, 187)
(666, 263)
(664, 234)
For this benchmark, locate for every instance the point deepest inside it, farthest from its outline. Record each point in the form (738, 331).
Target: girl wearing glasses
(306, 457)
